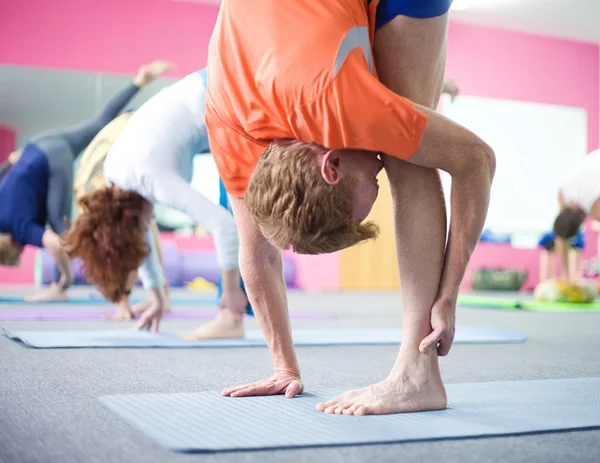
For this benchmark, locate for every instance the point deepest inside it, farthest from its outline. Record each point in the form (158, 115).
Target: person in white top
(578, 198)
(152, 162)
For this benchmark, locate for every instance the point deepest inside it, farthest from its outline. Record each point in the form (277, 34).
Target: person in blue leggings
(38, 189)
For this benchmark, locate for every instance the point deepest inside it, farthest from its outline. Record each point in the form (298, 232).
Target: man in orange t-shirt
(300, 123)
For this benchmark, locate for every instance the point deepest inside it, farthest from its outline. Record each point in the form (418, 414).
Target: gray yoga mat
(97, 313)
(206, 422)
(94, 299)
(338, 337)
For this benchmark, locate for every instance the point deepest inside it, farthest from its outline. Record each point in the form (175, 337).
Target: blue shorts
(548, 241)
(389, 9)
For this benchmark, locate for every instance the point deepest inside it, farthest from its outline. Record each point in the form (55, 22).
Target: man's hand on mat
(152, 71)
(54, 292)
(443, 316)
(287, 383)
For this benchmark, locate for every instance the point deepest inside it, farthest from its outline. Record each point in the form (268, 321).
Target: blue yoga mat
(207, 422)
(209, 299)
(340, 337)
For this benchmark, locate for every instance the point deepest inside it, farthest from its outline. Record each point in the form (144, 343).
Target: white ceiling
(571, 19)
(32, 100)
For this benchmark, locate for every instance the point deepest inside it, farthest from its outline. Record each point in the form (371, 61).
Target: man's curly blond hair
(296, 209)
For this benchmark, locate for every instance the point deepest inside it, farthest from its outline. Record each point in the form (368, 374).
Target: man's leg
(410, 58)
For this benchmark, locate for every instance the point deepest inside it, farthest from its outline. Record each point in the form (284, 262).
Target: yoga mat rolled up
(204, 264)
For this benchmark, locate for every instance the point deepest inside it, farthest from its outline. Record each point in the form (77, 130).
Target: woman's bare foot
(51, 293)
(415, 386)
(151, 71)
(143, 306)
(122, 313)
(227, 325)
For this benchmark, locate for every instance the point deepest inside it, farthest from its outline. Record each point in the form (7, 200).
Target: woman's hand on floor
(150, 318)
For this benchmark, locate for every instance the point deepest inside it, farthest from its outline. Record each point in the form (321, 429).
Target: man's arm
(450, 147)
(261, 266)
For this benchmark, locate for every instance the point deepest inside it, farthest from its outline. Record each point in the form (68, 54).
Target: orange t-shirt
(300, 69)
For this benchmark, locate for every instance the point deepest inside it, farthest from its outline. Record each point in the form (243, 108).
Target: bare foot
(51, 293)
(415, 387)
(227, 325)
(143, 306)
(151, 71)
(123, 313)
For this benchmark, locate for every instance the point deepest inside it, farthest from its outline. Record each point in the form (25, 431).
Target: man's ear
(330, 167)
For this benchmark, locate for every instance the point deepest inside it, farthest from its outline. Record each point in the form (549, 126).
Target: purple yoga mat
(98, 314)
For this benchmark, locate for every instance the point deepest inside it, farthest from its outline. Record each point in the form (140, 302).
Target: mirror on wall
(33, 100)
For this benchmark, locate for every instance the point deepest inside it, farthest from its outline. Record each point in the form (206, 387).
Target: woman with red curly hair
(152, 162)
(38, 188)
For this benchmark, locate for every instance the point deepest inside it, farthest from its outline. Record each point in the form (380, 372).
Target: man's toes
(332, 403)
(362, 410)
(350, 410)
(341, 407)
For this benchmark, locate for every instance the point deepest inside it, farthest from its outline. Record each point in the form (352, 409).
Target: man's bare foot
(227, 325)
(416, 386)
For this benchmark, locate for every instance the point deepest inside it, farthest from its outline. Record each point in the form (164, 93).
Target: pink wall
(8, 142)
(25, 273)
(510, 65)
(113, 36)
(116, 36)
(500, 64)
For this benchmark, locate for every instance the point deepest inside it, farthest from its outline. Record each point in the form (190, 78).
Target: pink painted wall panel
(515, 66)
(8, 141)
(22, 275)
(116, 36)
(113, 36)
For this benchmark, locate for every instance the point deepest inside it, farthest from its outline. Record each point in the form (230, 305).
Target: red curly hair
(109, 239)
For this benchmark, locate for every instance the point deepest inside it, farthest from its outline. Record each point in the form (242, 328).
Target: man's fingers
(432, 340)
(294, 388)
(446, 343)
(231, 390)
(444, 347)
(254, 390)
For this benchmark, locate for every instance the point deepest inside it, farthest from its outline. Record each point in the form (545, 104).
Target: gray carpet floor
(49, 410)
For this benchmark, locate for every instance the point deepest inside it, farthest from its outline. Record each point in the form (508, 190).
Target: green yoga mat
(472, 300)
(560, 306)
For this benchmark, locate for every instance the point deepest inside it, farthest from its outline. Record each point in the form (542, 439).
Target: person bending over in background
(578, 197)
(11, 161)
(38, 189)
(299, 149)
(90, 177)
(152, 162)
